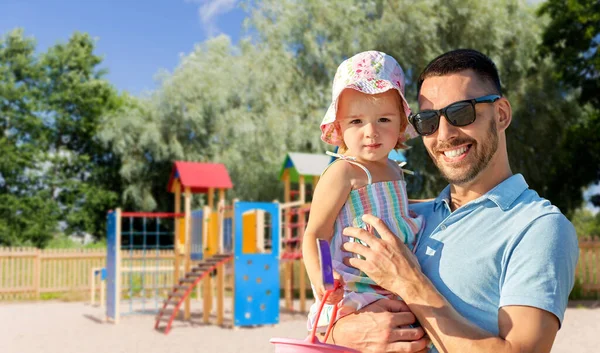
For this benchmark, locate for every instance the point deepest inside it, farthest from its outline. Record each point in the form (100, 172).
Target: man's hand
(390, 264)
(387, 261)
(380, 327)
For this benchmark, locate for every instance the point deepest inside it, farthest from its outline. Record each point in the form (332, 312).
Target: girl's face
(369, 123)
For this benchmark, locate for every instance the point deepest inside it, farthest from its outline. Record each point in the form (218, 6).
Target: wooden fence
(588, 267)
(28, 273)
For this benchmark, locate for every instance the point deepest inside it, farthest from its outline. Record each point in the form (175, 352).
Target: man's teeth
(456, 152)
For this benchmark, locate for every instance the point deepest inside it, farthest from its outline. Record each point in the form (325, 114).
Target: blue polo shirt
(508, 247)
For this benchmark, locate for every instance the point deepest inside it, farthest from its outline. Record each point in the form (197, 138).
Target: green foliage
(586, 223)
(27, 220)
(72, 148)
(571, 39)
(217, 106)
(64, 242)
(28, 213)
(54, 167)
(247, 105)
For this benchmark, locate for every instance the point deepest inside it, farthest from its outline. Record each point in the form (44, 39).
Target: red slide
(181, 291)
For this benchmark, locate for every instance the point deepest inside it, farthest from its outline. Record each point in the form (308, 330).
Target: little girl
(367, 118)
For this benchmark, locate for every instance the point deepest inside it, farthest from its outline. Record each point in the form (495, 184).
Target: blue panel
(256, 275)
(101, 272)
(197, 219)
(228, 235)
(397, 156)
(332, 159)
(111, 265)
(256, 290)
(288, 163)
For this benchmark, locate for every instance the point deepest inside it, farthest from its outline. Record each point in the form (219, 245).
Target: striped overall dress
(386, 200)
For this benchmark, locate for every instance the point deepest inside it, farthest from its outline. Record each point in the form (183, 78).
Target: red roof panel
(199, 177)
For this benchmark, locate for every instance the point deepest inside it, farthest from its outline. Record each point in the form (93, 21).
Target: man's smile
(455, 154)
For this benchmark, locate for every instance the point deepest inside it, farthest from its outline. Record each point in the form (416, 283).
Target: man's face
(460, 153)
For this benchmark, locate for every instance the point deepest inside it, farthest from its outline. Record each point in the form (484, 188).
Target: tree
(28, 213)
(247, 105)
(586, 223)
(83, 174)
(321, 35)
(215, 107)
(595, 200)
(571, 39)
(53, 166)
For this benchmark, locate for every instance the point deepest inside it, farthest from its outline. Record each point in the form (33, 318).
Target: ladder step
(178, 294)
(165, 313)
(201, 268)
(164, 318)
(181, 288)
(188, 280)
(217, 258)
(171, 301)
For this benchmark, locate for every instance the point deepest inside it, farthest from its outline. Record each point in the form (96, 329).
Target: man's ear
(504, 116)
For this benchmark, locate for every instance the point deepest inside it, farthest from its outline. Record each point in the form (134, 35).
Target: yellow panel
(249, 233)
(181, 235)
(213, 235)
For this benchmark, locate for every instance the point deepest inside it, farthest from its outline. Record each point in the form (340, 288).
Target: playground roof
(305, 164)
(199, 177)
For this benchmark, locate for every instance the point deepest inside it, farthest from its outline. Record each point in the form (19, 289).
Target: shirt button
(443, 227)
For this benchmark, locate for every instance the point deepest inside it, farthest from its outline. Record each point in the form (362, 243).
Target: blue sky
(136, 38)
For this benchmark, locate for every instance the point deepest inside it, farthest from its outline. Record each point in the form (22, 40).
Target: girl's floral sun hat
(370, 72)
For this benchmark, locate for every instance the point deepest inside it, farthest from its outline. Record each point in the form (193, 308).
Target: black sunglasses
(461, 113)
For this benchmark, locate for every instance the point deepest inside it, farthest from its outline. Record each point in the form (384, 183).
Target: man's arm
(390, 264)
(522, 328)
(380, 327)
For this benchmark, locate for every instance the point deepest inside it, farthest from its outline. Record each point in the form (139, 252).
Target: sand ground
(57, 327)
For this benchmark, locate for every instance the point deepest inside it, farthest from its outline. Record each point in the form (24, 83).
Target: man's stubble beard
(486, 151)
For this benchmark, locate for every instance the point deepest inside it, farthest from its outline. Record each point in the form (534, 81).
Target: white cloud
(589, 192)
(209, 10)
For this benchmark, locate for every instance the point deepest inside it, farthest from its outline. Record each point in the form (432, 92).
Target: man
(495, 263)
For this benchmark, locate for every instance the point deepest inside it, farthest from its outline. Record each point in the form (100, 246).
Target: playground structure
(300, 170)
(201, 251)
(246, 242)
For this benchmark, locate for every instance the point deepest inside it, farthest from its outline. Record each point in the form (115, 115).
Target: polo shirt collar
(503, 195)
(443, 198)
(507, 192)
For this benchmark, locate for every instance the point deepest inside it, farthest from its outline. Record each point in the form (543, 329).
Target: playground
(235, 257)
(211, 279)
(54, 327)
(226, 277)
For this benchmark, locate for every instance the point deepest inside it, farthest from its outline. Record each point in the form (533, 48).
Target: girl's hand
(338, 294)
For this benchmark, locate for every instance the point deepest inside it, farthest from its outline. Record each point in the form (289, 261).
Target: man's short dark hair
(460, 60)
